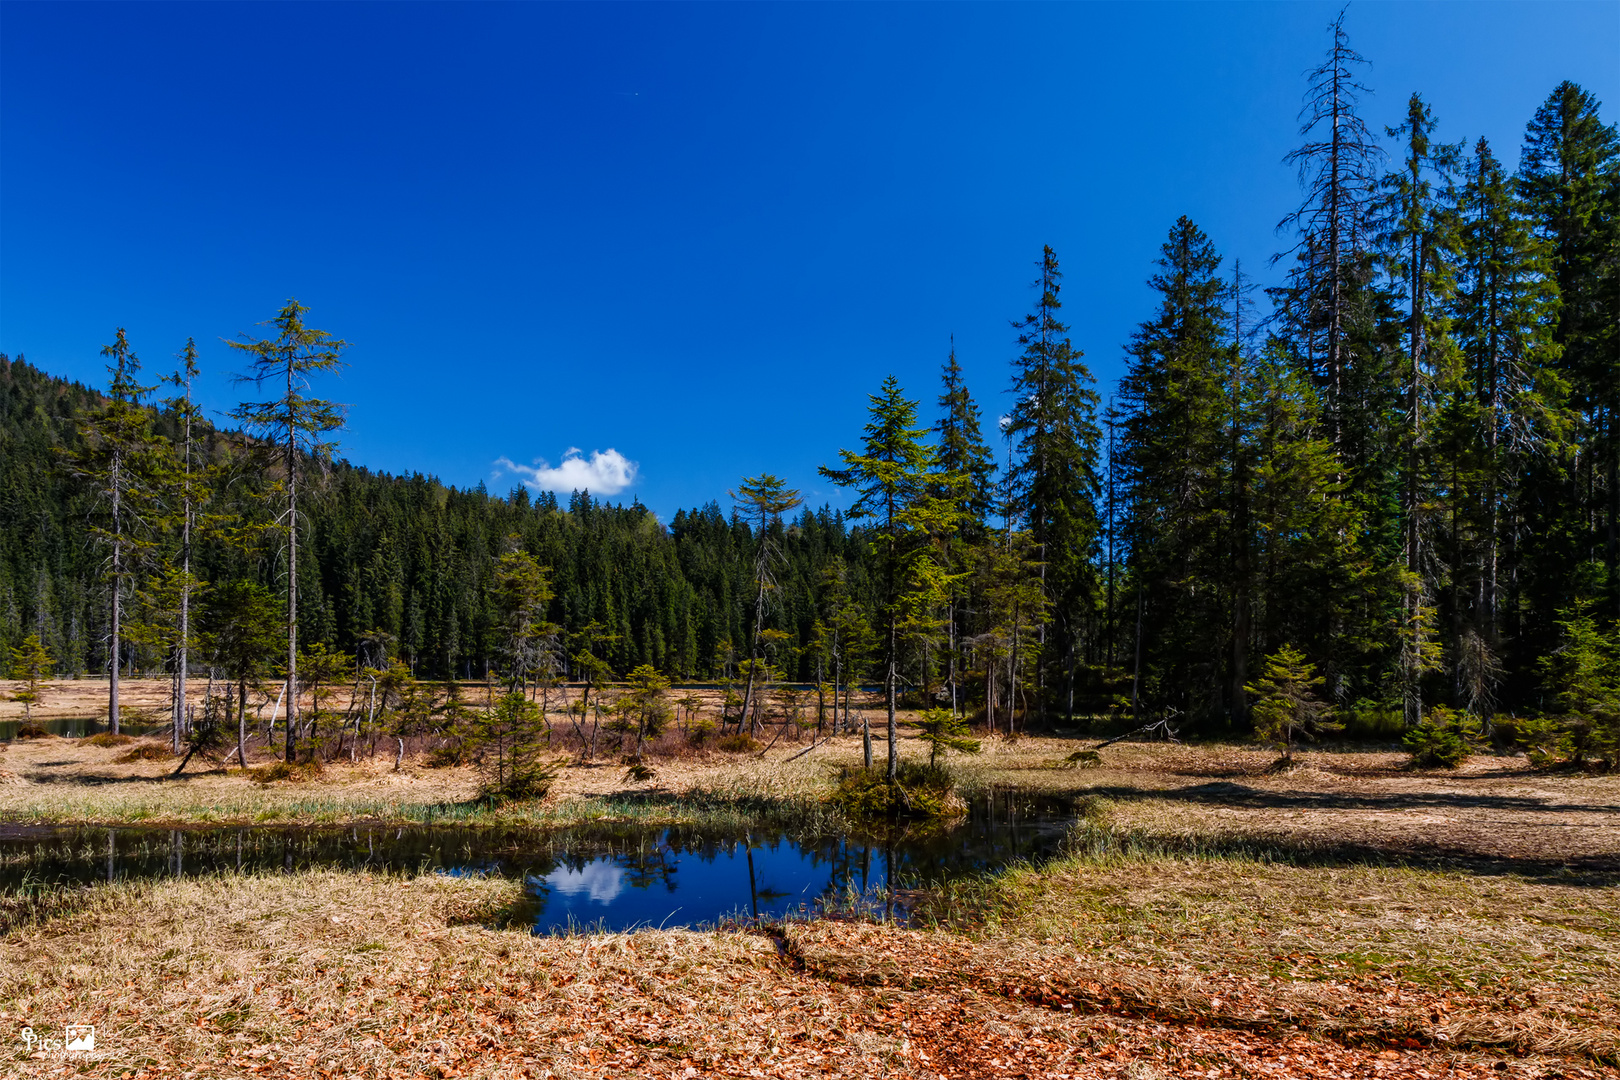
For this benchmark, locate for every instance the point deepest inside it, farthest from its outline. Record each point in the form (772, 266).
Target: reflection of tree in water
(647, 867)
(858, 871)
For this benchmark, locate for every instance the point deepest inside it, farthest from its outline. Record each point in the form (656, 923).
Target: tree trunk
(292, 582)
(117, 588)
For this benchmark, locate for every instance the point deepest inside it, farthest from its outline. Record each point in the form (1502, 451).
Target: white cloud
(605, 472)
(600, 880)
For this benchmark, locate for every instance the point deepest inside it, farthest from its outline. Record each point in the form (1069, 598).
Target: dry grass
(327, 974)
(1346, 804)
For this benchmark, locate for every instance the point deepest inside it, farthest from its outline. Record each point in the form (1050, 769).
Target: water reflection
(610, 877)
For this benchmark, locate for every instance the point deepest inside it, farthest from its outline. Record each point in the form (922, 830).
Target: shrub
(942, 730)
(700, 732)
(1444, 739)
(32, 731)
(146, 751)
(452, 753)
(1081, 759)
(285, 770)
(1286, 704)
(1584, 672)
(918, 793)
(512, 755)
(743, 743)
(107, 738)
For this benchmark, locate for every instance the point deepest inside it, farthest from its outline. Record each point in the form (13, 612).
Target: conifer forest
(1390, 458)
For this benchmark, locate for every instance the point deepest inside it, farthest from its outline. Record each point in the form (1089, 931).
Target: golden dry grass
(1220, 919)
(325, 974)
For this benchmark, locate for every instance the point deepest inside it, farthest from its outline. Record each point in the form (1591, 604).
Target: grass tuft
(146, 751)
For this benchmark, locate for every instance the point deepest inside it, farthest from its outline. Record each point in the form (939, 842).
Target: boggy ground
(1345, 918)
(1105, 965)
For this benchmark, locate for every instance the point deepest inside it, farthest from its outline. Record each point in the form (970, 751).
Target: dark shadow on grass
(1225, 793)
(1425, 852)
(91, 780)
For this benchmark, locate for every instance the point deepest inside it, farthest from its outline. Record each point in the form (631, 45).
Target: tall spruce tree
(1569, 180)
(297, 426)
(1505, 313)
(891, 476)
(1420, 242)
(1174, 456)
(1338, 168)
(118, 464)
(1053, 482)
(966, 457)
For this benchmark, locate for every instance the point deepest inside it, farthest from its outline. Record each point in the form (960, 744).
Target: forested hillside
(1402, 459)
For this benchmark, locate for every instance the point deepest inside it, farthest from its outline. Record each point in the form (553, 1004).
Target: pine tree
(30, 664)
(1287, 704)
(942, 731)
(891, 477)
(239, 624)
(1569, 180)
(191, 492)
(1054, 483)
(521, 591)
(1420, 243)
(118, 464)
(762, 500)
(1338, 169)
(298, 426)
(1174, 457)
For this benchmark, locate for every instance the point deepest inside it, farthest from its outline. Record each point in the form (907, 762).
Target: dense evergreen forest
(1401, 459)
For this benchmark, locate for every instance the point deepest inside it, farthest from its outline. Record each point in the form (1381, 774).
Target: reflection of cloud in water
(600, 880)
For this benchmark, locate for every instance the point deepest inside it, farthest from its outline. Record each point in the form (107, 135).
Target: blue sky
(696, 235)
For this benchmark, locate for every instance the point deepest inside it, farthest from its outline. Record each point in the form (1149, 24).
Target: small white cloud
(600, 880)
(605, 472)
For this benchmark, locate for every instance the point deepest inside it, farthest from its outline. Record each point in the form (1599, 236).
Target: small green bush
(919, 792)
(32, 731)
(700, 732)
(107, 738)
(1444, 739)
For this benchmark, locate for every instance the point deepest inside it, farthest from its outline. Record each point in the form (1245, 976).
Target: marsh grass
(363, 974)
(1506, 961)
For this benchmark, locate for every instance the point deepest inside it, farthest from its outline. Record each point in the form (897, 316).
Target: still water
(608, 878)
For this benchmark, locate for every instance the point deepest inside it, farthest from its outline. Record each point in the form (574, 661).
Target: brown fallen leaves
(324, 975)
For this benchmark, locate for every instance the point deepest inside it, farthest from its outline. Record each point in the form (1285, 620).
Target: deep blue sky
(697, 234)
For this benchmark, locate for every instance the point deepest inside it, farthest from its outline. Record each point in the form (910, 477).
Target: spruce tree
(1053, 483)
(298, 427)
(762, 500)
(1569, 180)
(1505, 314)
(1338, 169)
(891, 476)
(963, 454)
(1174, 456)
(1420, 244)
(118, 462)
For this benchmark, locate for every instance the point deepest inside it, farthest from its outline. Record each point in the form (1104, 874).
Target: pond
(77, 727)
(599, 878)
